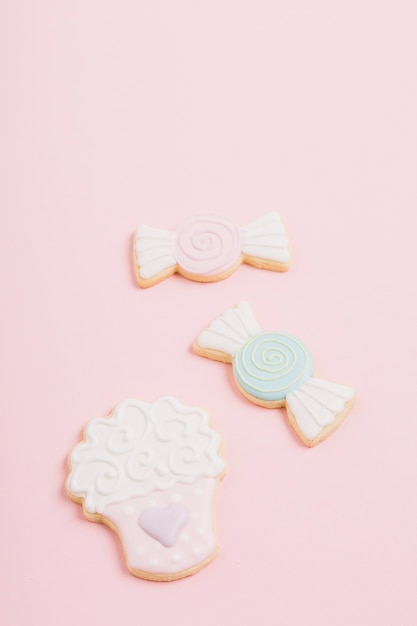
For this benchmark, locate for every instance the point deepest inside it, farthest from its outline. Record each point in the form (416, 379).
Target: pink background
(130, 111)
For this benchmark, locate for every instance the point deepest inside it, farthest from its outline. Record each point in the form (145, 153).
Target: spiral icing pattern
(207, 245)
(270, 365)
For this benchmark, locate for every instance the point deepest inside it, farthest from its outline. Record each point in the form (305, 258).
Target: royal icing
(270, 365)
(274, 367)
(230, 331)
(265, 238)
(144, 548)
(151, 469)
(316, 404)
(209, 246)
(164, 524)
(154, 250)
(140, 448)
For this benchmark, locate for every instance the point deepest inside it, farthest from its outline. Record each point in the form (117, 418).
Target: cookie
(209, 248)
(275, 369)
(149, 472)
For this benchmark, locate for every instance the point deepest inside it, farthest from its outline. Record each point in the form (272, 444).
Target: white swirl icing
(140, 448)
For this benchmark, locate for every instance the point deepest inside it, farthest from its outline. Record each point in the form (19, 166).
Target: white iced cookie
(275, 369)
(208, 248)
(149, 471)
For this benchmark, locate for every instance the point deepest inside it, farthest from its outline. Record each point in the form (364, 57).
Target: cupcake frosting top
(142, 447)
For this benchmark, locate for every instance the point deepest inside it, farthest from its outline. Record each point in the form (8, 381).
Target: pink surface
(125, 112)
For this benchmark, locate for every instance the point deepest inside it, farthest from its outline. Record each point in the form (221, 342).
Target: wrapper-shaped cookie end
(317, 408)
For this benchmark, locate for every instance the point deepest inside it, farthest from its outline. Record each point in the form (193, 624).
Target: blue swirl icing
(269, 366)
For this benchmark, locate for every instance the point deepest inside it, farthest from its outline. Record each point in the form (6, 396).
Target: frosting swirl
(270, 365)
(207, 245)
(141, 448)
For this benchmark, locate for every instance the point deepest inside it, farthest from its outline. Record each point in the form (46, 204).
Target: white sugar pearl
(175, 558)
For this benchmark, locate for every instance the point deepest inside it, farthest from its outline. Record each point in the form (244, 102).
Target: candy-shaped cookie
(275, 369)
(149, 472)
(208, 248)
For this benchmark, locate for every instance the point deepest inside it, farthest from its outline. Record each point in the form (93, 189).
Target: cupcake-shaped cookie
(149, 471)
